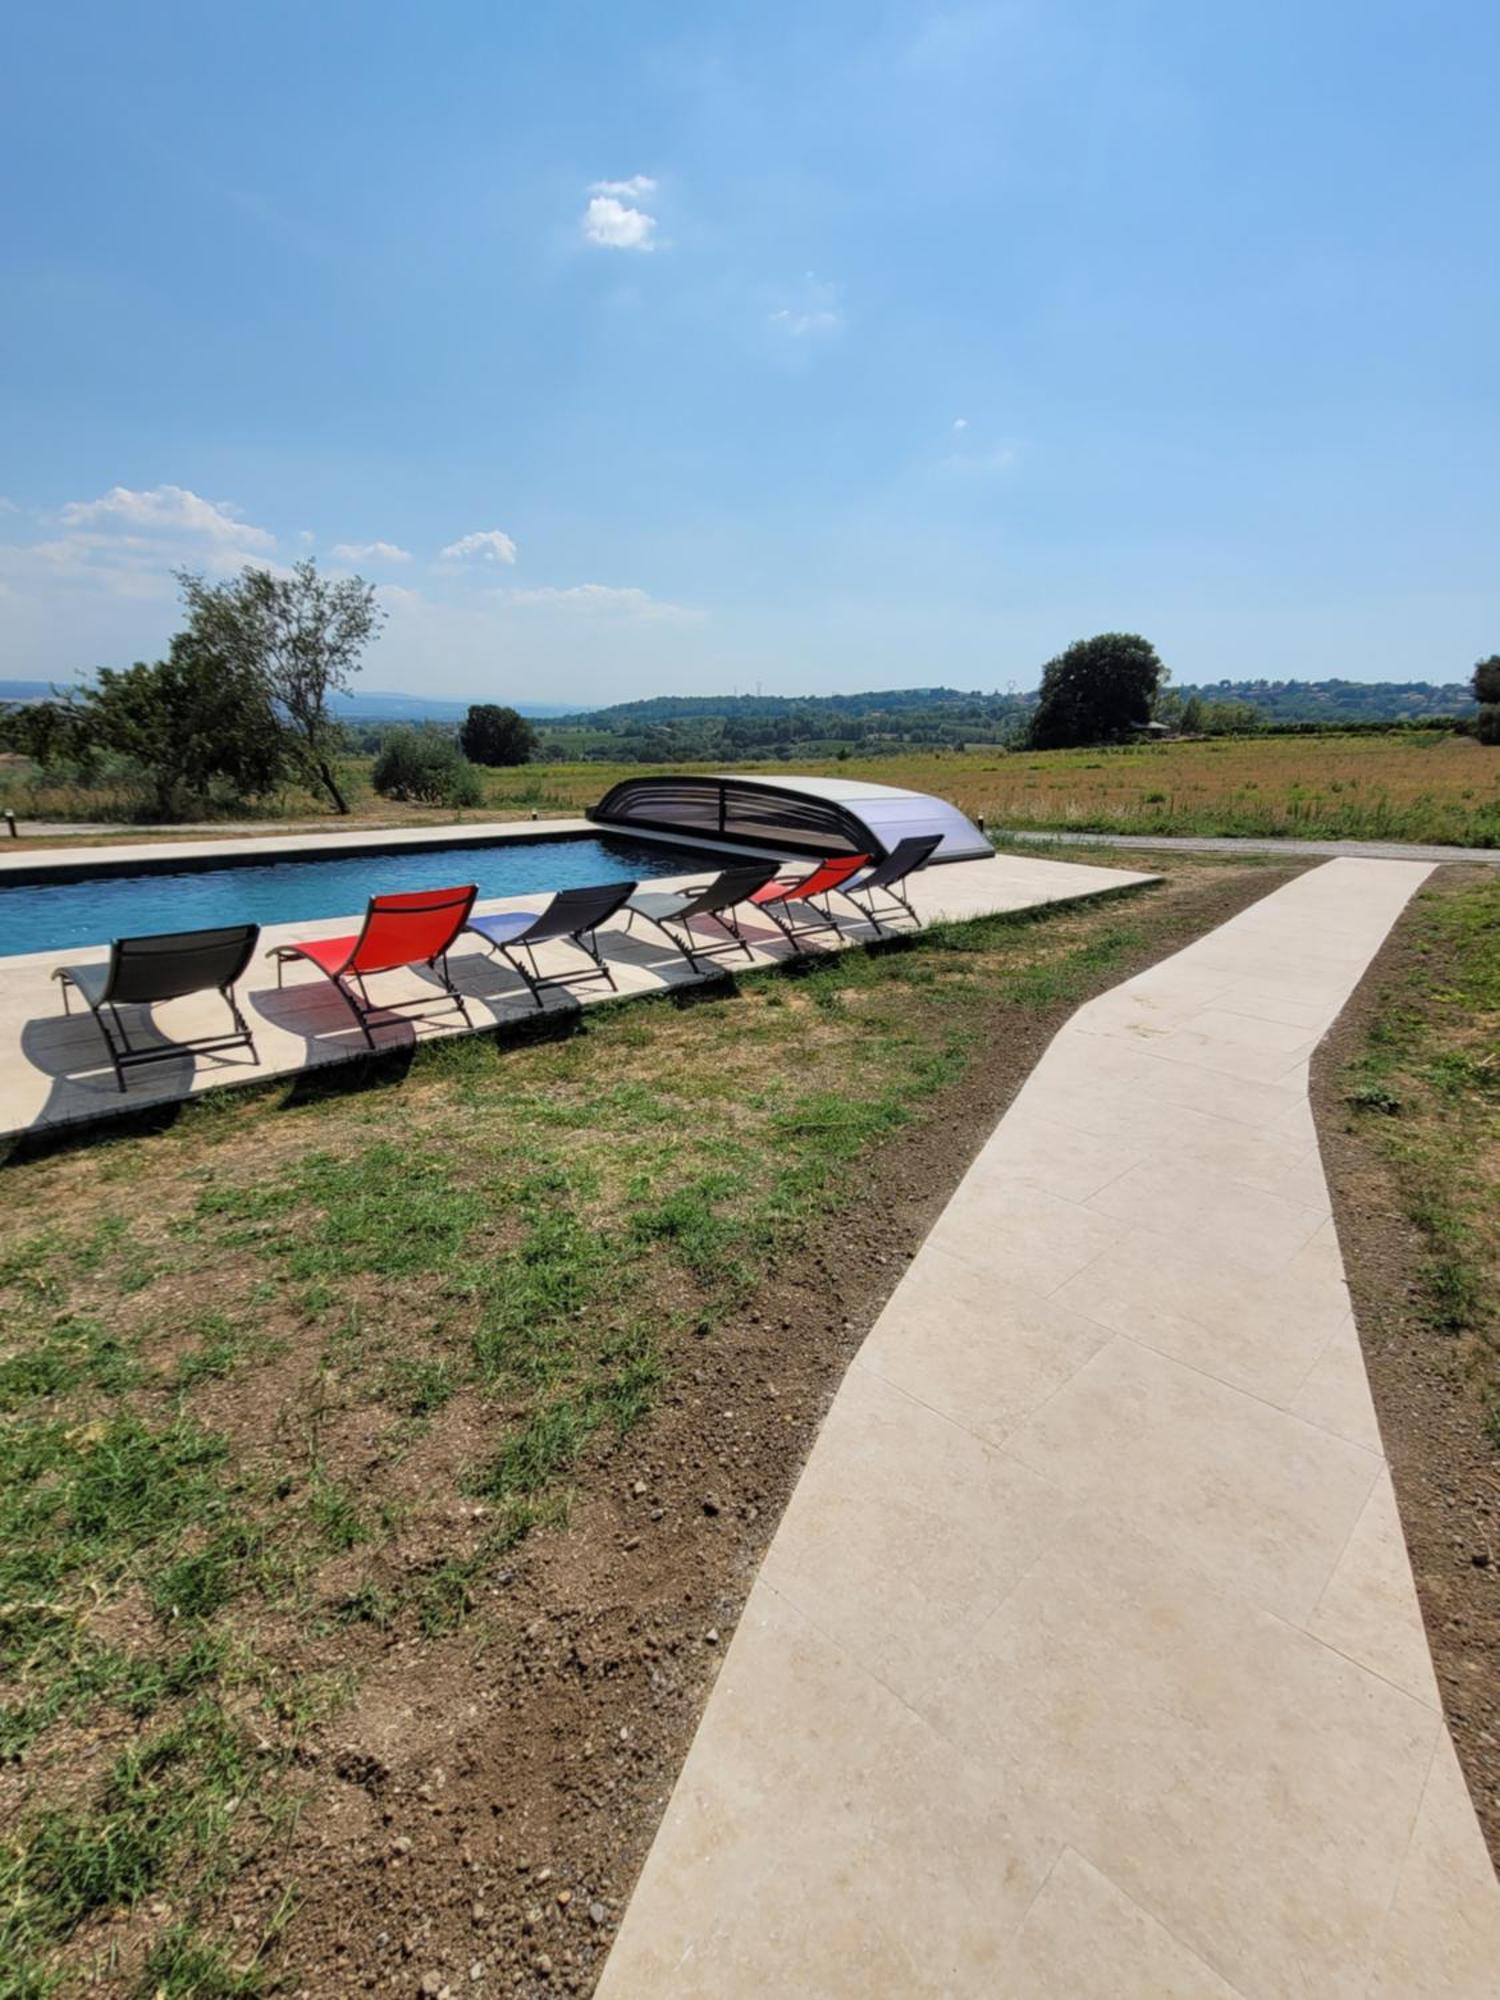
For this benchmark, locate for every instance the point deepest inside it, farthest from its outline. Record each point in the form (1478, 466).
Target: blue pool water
(63, 915)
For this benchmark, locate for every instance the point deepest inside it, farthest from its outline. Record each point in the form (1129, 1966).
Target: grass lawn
(284, 1387)
(1426, 1088)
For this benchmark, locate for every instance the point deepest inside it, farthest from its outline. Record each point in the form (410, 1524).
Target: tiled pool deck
(53, 1069)
(1086, 1662)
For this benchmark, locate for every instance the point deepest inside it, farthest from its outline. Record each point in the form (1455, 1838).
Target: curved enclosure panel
(813, 816)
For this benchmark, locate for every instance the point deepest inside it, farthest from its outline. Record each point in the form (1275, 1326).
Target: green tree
(1095, 691)
(1486, 681)
(191, 723)
(301, 636)
(494, 736)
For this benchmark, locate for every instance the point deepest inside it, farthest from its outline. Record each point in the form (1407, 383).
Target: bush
(1487, 723)
(424, 767)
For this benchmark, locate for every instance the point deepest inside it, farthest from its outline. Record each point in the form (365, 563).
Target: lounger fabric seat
(887, 876)
(169, 965)
(414, 928)
(800, 892)
(671, 911)
(572, 917)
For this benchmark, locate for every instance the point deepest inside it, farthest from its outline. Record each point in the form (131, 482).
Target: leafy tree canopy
(1096, 691)
(301, 635)
(493, 735)
(1486, 682)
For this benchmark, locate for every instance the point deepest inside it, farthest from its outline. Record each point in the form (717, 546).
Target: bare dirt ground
(1432, 1419)
(476, 1819)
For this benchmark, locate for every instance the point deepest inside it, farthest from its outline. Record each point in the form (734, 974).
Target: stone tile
(904, 1532)
(1336, 1394)
(1369, 1610)
(981, 1350)
(1263, 1502)
(1037, 1239)
(1263, 1334)
(1084, 1939)
(1251, 1790)
(1040, 1152)
(1441, 1936)
(1227, 1056)
(1227, 1221)
(823, 1841)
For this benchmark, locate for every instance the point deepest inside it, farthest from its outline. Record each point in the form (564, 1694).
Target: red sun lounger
(414, 928)
(777, 896)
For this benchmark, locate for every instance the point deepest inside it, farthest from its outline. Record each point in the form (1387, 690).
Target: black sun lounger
(671, 911)
(903, 861)
(572, 917)
(144, 970)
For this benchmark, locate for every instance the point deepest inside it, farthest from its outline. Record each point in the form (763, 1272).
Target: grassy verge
(281, 1386)
(1426, 1088)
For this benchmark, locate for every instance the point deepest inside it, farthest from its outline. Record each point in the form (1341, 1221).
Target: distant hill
(1339, 701)
(374, 705)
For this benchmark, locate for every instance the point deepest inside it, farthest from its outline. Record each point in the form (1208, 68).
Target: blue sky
(688, 347)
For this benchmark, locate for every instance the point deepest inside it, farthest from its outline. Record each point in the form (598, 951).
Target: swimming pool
(60, 916)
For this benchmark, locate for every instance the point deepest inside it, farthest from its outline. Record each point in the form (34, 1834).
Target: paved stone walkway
(53, 1068)
(1086, 1662)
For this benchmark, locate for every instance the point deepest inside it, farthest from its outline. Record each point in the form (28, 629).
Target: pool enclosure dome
(788, 815)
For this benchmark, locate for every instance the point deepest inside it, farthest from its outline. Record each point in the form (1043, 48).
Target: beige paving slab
(1092, 1591)
(1084, 1939)
(53, 1068)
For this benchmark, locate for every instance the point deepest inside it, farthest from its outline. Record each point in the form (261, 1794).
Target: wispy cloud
(127, 542)
(814, 314)
(385, 552)
(960, 423)
(614, 219)
(484, 545)
(604, 599)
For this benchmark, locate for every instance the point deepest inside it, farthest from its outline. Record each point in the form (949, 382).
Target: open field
(379, 1470)
(1415, 787)
(1408, 1092)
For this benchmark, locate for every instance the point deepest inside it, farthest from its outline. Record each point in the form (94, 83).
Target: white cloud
(814, 314)
(602, 598)
(614, 221)
(170, 510)
(386, 552)
(488, 544)
(960, 423)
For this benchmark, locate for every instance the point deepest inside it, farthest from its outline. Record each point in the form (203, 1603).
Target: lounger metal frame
(747, 880)
(585, 939)
(123, 962)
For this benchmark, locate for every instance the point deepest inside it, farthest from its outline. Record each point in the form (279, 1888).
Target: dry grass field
(1416, 787)
(1400, 787)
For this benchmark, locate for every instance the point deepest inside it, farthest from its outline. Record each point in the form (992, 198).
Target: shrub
(425, 767)
(1487, 723)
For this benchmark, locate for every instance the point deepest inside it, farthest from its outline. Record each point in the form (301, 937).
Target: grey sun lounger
(572, 917)
(903, 861)
(144, 970)
(671, 911)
